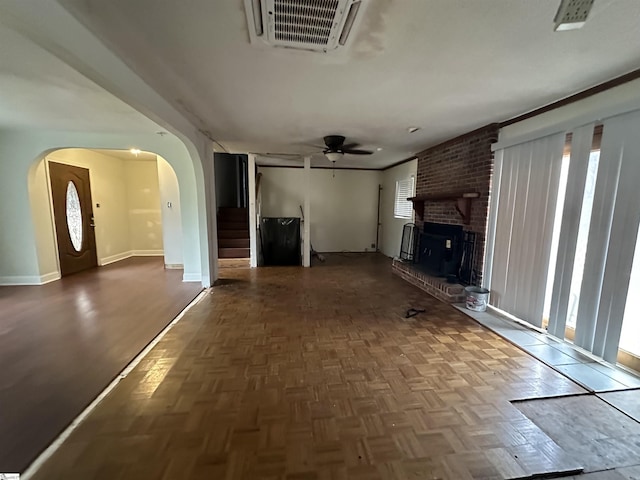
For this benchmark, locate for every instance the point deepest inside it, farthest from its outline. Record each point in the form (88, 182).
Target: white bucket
(477, 298)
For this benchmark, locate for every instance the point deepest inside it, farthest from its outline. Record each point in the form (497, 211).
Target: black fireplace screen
(410, 234)
(467, 274)
(442, 250)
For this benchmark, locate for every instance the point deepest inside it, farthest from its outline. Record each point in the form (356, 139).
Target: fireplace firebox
(440, 249)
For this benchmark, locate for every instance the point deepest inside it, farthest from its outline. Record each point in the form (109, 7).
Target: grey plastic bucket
(477, 298)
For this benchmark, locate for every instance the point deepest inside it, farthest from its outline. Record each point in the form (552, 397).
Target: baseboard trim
(16, 280)
(49, 277)
(131, 253)
(192, 277)
(24, 280)
(115, 258)
(174, 266)
(147, 253)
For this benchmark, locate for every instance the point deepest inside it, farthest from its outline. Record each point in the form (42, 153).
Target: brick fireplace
(447, 173)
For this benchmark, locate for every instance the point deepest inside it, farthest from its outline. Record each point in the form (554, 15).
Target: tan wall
(143, 205)
(126, 206)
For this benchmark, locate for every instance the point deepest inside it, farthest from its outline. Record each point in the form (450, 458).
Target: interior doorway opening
(106, 206)
(232, 201)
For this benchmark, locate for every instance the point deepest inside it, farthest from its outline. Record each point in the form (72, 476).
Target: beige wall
(126, 206)
(391, 229)
(171, 214)
(343, 207)
(143, 207)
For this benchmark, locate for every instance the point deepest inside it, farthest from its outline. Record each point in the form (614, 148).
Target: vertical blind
(581, 142)
(612, 238)
(524, 204)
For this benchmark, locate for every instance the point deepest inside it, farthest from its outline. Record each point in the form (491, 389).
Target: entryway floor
(62, 343)
(293, 373)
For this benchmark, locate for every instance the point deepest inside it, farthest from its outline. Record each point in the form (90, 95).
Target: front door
(73, 215)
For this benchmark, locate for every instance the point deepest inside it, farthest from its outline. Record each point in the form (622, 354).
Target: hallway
(62, 343)
(316, 374)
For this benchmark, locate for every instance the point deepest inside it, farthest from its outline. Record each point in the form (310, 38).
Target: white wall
(25, 259)
(343, 208)
(143, 201)
(186, 148)
(171, 216)
(391, 229)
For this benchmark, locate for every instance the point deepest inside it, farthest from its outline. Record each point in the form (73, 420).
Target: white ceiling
(447, 66)
(37, 90)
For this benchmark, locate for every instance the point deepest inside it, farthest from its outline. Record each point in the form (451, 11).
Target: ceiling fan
(334, 148)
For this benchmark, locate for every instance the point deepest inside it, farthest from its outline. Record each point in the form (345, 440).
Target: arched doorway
(114, 204)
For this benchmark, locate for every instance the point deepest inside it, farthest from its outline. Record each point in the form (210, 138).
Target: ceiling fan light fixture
(333, 156)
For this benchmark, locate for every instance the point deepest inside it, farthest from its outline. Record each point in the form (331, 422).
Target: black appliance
(280, 240)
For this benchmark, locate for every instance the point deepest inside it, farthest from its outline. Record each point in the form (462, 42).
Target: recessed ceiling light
(413, 129)
(136, 151)
(379, 149)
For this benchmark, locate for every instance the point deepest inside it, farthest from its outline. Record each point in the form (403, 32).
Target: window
(74, 216)
(403, 208)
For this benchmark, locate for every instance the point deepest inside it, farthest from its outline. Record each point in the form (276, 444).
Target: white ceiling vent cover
(316, 25)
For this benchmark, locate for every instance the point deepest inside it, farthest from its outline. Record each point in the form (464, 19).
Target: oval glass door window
(74, 216)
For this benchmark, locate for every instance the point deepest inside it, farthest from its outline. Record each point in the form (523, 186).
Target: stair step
(233, 234)
(233, 214)
(234, 253)
(233, 225)
(233, 243)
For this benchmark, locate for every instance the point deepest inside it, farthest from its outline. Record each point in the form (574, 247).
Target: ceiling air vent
(316, 25)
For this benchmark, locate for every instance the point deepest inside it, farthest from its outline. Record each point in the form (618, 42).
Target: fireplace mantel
(462, 199)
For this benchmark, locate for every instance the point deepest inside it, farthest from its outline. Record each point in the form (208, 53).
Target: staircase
(233, 233)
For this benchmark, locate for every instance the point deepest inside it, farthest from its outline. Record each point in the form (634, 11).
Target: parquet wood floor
(315, 374)
(62, 343)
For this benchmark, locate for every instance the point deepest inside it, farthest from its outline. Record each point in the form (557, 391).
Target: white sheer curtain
(524, 205)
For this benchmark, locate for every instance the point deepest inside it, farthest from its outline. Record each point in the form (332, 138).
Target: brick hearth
(435, 286)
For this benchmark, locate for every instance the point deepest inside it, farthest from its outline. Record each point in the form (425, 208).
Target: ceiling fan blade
(353, 151)
(350, 146)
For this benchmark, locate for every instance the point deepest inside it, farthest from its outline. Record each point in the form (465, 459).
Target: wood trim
(323, 168)
(615, 82)
(462, 199)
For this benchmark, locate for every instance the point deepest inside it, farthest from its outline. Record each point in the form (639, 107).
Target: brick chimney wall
(462, 164)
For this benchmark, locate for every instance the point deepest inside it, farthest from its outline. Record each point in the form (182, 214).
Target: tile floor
(586, 370)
